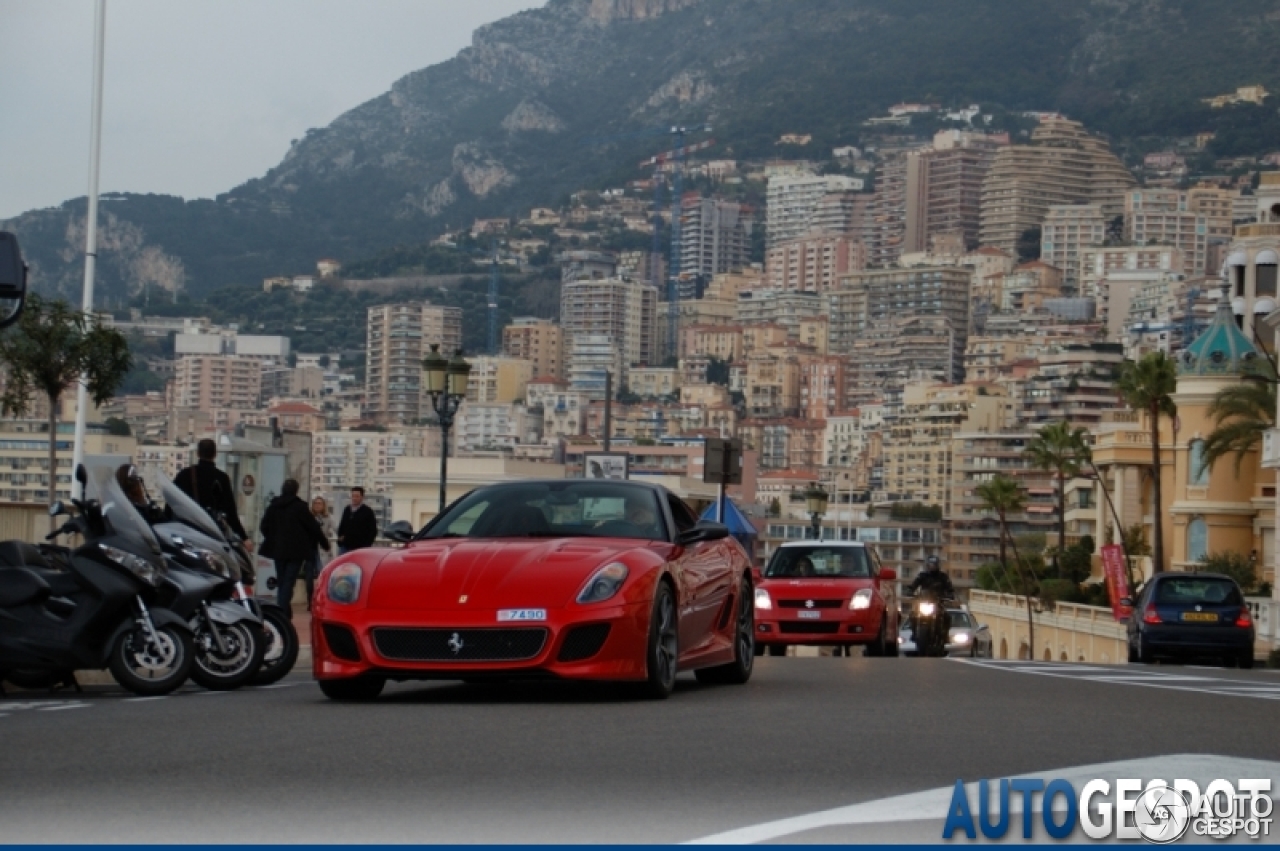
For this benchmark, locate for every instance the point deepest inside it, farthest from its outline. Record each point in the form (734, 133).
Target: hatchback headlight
(762, 599)
(344, 583)
(960, 638)
(604, 583)
(861, 600)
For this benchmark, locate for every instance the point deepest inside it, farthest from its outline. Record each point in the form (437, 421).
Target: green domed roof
(1222, 349)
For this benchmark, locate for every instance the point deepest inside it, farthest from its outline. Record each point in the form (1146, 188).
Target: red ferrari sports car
(570, 578)
(828, 593)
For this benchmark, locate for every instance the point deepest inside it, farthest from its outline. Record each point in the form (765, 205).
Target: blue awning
(733, 518)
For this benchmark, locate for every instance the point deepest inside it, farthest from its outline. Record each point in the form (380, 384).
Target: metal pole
(91, 231)
(608, 409)
(445, 422)
(720, 502)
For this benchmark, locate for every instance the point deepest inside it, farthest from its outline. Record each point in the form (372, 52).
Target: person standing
(290, 535)
(359, 526)
(211, 488)
(320, 511)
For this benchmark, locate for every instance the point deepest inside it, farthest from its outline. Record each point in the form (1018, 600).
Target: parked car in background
(1187, 615)
(966, 637)
(826, 594)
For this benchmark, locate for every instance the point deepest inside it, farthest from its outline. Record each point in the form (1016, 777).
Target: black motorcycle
(101, 611)
(929, 623)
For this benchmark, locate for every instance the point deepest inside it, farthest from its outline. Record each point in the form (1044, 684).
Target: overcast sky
(200, 95)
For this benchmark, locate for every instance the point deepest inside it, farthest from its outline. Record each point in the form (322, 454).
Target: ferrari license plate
(1200, 617)
(809, 615)
(522, 614)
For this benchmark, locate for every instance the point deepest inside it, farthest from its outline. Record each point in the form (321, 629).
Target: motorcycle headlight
(139, 567)
(861, 600)
(604, 583)
(960, 638)
(927, 608)
(344, 583)
(762, 599)
(210, 561)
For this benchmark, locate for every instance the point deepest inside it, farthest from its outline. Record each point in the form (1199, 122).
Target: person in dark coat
(359, 526)
(290, 535)
(211, 488)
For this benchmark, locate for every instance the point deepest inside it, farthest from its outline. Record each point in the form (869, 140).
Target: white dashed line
(1146, 678)
(278, 685)
(67, 706)
(141, 699)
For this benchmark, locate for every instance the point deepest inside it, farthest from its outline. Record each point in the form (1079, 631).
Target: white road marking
(67, 706)
(209, 692)
(277, 685)
(141, 699)
(931, 805)
(1145, 678)
(4, 714)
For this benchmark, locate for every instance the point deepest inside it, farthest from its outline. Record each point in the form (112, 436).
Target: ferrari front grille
(808, 627)
(459, 645)
(583, 642)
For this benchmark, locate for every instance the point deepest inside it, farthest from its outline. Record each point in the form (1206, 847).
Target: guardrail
(1067, 632)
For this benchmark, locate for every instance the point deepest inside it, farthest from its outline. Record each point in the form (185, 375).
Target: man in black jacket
(359, 526)
(290, 535)
(211, 488)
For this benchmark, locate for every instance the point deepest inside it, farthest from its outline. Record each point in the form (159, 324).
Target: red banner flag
(1117, 579)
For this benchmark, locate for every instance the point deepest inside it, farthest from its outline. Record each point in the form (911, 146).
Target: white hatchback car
(966, 637)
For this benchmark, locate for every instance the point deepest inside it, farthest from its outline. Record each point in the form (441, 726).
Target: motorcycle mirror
(57, 508)
(81, 475)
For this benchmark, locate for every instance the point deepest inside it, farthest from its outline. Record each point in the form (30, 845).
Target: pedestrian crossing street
(1258, 684)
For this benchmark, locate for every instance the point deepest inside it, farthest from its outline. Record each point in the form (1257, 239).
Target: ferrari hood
(459, 573)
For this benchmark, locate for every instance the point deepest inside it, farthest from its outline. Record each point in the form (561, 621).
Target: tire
(246, 645)
(1145, 656)
(149, 671)
(280, 650)
(737, 672)
(1245, 660)
(353, 688)
(1133, 654)
(879, 647)
(777, 650)
(662, 650)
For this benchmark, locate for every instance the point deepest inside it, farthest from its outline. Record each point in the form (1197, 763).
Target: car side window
(682, 514)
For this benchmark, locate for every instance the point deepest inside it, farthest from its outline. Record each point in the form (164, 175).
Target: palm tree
(1059, 449)
(1148, 385)
(1001, 495)
(1241, 413)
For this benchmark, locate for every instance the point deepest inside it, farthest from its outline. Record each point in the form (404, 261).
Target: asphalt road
(443, 762)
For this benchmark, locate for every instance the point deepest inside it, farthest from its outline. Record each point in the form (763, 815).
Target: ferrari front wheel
(738, 671)
(663, 647)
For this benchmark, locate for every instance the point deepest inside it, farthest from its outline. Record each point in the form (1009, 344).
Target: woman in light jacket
(319, 510)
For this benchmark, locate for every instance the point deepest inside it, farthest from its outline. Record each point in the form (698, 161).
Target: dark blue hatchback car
(1185, 615)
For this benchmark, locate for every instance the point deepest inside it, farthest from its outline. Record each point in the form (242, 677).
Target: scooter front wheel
(281, 647)
(218, 671)
(147, 667)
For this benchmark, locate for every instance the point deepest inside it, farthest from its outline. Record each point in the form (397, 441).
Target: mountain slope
(502, 125)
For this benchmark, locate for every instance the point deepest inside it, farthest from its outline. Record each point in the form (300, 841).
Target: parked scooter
(101, 611)
(213, 535)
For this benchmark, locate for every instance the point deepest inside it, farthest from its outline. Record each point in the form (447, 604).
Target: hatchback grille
(342, 642)
(804, 604)
(808, 627)
(459, 645)
(583, 642)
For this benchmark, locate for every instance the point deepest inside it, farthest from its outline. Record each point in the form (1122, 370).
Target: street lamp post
(815, 499)
(447, 387)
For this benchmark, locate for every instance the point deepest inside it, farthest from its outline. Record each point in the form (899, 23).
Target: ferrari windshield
(819, 562)
(569, 508)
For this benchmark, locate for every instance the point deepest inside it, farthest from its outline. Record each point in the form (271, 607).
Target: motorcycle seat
(19, 586)
(21, 554)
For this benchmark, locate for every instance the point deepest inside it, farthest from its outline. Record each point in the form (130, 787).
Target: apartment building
(884, 231)
(624, 312)
(772, 385)
(1098, 262)
(654, 382)
(24, 458)
(1062, 164)
(793, 198)
(1075, 382)
(943, 188)
(341, 460)
(498, 379)
(483, 426)
(723, 342)
(715, 236)
(821, 386)
(814, 262)
(398, 337)
(778, 307)
(594, 360)
(1027, 287)
(1193, 221)
(1067, 230)
(539, 341)
(216, 381)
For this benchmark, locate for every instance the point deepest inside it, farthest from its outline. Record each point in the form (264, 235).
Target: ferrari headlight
(604, 583)
(861, 600)
(960, 638)
(344, 583)
(927, 609)
(762, 599)
(139, 567)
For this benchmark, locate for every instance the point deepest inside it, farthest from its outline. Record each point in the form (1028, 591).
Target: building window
(1197, 539)
(1197, 470)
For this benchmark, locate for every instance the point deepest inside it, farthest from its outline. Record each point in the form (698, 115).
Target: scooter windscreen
(127, 525)
(187, 510)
